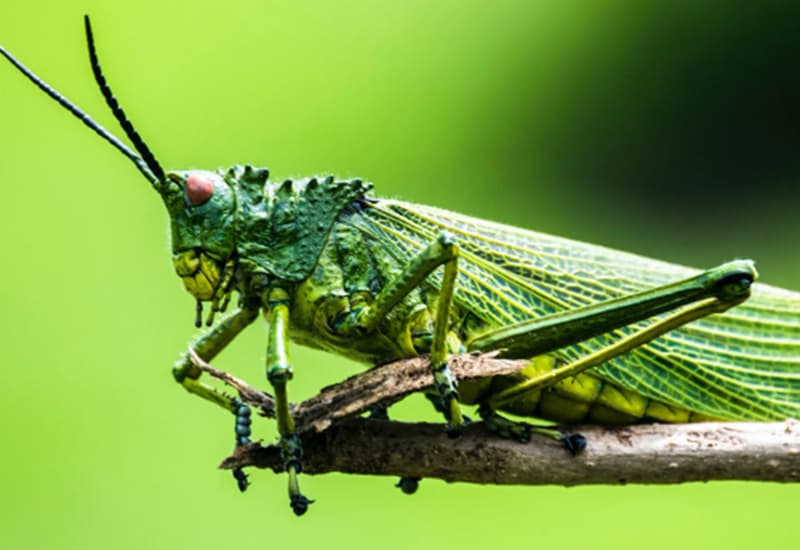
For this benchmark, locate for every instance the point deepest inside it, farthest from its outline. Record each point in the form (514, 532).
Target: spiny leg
(729, 283)
(210, 343)
(443, 379)
(626, 344)
(279, 372)
(575, 442)
(712, 291)
(364, 320)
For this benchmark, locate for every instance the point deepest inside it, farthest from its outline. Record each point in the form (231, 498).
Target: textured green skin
(333, 250)
(275, 229)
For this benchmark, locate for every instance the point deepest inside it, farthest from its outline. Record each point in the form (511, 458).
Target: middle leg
(279, 372)
(367, 318)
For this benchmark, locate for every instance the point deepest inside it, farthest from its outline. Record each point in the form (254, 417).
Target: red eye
(198, 189)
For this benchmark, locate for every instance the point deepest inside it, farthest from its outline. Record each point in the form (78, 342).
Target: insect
(612, 337)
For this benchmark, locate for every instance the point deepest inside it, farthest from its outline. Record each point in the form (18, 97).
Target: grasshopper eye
(198, 189)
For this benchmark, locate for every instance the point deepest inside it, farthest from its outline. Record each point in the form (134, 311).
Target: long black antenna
(119, 114)
(143, 167)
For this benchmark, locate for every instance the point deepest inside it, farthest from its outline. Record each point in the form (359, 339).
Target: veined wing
(742, 364)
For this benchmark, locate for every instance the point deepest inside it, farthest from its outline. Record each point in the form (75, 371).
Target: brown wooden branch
(652, 453)
(336, 439)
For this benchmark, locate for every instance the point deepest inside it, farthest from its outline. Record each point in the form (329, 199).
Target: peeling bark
(336, 439)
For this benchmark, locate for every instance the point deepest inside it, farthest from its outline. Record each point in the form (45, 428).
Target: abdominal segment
(581, 398)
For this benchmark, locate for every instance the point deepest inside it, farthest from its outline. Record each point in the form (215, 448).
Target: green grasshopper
(612, 338)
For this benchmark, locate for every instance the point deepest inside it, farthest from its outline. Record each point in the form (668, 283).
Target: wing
(743, 364)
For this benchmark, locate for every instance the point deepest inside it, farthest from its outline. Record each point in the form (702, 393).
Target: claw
(408, 485)
(299, 504)
(574, 443)
(241, 479)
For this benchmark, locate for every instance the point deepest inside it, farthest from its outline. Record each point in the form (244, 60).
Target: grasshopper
(612, 337)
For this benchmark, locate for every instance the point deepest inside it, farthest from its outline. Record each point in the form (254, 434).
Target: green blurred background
(671, 132)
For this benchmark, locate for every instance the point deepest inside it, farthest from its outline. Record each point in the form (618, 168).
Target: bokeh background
(670, 129)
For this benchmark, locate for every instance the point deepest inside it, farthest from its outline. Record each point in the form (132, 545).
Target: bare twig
(335, 439)
(652, 453)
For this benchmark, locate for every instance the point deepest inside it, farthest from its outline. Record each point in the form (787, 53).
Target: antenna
(119, 114)
(143, 166)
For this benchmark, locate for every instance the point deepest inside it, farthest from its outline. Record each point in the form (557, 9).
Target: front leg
(210, 343)
(279, 372)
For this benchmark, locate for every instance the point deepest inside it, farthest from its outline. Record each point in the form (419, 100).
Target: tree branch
(336, 439)
(652, 453)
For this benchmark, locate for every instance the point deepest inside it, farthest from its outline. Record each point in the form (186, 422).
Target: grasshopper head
(201, 208)
(200, 204)
(221, 219)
